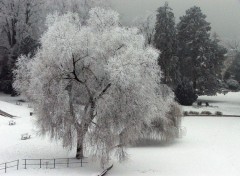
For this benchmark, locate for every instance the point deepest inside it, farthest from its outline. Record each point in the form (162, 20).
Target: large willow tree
(97, 85)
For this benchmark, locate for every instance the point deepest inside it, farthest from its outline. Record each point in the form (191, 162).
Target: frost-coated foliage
(81, 7)
(22, 24)
(19, 31)
(96, 85)
(18, 20)
(22, 75)
(146, 26)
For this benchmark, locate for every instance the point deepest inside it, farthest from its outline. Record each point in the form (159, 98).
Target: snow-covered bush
(158, 128)
(206, 113)
(185, 93)
(218, 113)
(97, 86)
(174, 115)
(185, 113)
(233, 84)
(193, 113)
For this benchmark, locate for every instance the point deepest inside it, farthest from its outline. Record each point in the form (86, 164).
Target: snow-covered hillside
(210, 148)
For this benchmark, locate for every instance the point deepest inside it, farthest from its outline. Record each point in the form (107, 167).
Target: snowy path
(211, 148)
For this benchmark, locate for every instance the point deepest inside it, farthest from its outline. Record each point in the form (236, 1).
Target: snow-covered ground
(228, 104)
(210, 148)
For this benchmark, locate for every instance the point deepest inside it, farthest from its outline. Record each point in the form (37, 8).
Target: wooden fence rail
(212, 115)
(11, 164)
(43, 163)
(52, 163)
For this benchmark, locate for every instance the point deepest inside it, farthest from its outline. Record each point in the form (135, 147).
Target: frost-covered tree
(97, 85)
(165, 40)
(233, 46)
(81, 7)
(22, 23)
(22, 75)
(18, 22)
(203, 55)
(146, 26)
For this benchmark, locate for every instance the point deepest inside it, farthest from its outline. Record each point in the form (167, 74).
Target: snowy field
(210, 148)
(228, 104)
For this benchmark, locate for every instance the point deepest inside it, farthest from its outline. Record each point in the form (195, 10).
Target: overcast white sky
(224, 15)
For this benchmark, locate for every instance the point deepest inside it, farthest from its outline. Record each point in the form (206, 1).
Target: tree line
(191, 58)
(22, 22)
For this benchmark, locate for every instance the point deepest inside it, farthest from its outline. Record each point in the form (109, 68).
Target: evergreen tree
(201, 58)
(165, 41)
(185, 93)
(210, 80)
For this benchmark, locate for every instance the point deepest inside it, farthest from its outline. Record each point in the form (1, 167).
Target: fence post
(5, 167)
(25, 164)
(81, 162)
(54, 163)
(17, 164)
(68, 162)
(40, 163)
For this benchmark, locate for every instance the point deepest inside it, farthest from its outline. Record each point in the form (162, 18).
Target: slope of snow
(12, 147)
(211, 148)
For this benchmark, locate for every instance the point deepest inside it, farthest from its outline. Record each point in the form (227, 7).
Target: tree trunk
(87, 121)
(89, 116)
(79, 154)
(194, 85)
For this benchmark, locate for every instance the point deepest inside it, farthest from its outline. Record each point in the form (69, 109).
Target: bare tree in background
(22, 24)
(146, 25)
(18, 20)
(81, 7)
(233, 46)
(19, 31)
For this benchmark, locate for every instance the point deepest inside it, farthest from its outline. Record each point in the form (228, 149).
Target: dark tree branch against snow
(106, 171)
